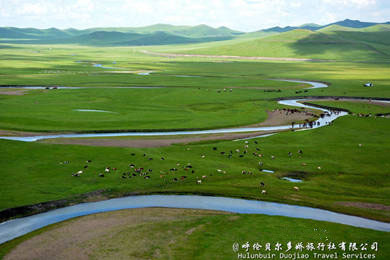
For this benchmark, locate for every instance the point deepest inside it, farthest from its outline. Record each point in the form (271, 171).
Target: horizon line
(183, 25)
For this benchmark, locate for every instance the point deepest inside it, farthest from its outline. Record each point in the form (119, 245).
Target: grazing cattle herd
(180, 172)
(307, 123)
(184, 172)
(188, 173)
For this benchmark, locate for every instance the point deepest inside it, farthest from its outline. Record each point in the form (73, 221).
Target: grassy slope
(196, 234)
(335, 27)
(376, 28)
(271, 46)
(328, 43)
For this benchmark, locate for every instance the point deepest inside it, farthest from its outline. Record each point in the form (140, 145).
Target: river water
(331, 116)
(18, 227)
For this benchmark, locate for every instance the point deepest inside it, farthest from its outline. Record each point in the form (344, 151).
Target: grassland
(134, 109)
(198, 102)
(360, 174)
(184, 102)
(341, 164)
(362, 107)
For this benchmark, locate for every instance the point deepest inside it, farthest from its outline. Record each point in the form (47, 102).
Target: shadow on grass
(106, 39)
(346, 44)
(6, 46)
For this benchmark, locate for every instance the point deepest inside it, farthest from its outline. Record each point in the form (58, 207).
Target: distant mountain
(310, 25)
(101, 38)
(163, 38)
(11, 33)
(159, 34)
(186, 31)
(154, 34)
(314, 27)
(189, 31)
(207, 31)
(279, 29)
(32, 33)
(355, 23)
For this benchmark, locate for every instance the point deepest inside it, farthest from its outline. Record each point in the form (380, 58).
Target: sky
(243, 15)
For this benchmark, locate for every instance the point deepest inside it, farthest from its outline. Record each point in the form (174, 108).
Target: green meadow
(133, 109)
(358, 107)
(330, 43)
(349, 172)
(344, 166)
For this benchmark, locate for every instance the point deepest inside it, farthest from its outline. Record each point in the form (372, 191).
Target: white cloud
(32, 9)
(358, 3)
(88, 5)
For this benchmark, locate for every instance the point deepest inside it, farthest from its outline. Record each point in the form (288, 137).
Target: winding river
(312, 83)
(330, 116)
(20, 226)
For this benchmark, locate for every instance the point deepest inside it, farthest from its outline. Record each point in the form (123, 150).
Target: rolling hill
(275, 42)
(198, 31)
(32, 33)
(347, 23)
(331, 43)
(149, 35)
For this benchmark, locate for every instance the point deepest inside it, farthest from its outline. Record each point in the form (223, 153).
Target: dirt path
(173, 55)
(275, 118)
(149, 143)
(363, 205)
(13, 92)
(22, 133)
(282, 117)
